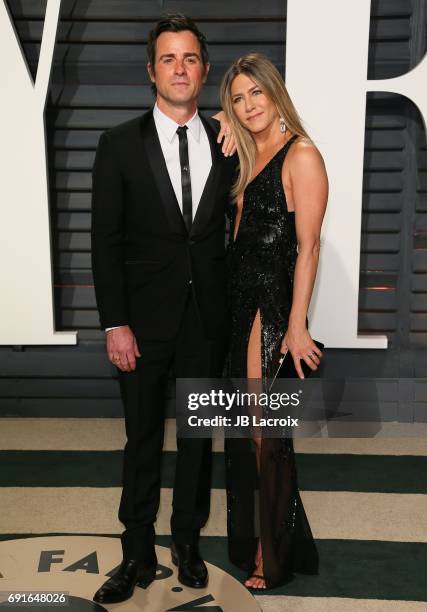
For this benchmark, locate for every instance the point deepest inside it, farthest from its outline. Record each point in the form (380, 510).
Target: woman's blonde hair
(264, 73)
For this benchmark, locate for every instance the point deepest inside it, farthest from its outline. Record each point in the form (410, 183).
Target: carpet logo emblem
(79, 565)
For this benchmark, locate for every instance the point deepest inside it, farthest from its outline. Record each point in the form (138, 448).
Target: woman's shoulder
(303, 153)
(302, 145)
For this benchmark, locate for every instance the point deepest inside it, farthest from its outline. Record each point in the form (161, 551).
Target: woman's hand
(229, 144)
(301, 345)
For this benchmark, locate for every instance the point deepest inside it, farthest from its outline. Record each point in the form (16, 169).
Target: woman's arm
(309, 186)
(229, 144)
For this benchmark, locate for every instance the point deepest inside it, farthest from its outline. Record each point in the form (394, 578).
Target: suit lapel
(154, 154)
(160, 172)
(207, 200)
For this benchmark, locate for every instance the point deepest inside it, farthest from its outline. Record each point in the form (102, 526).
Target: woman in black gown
(276, 216)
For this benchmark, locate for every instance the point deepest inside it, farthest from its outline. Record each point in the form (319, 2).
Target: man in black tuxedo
(160, 187)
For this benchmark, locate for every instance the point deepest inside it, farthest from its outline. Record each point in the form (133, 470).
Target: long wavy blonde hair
(264, 73)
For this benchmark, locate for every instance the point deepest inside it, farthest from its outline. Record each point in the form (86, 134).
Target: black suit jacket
(143, 258)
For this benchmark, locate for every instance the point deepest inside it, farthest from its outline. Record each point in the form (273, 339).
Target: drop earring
(282, 125)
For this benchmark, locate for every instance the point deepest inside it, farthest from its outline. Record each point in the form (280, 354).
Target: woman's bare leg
(254, 371)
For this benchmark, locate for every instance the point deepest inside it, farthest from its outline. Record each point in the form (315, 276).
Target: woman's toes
(255, 583)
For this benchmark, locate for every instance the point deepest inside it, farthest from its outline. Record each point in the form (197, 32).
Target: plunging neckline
(269, 162)
(254, 179)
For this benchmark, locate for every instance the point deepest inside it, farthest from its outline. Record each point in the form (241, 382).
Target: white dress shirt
(199, 155)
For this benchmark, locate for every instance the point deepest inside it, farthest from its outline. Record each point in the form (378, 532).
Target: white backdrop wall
(98, 79)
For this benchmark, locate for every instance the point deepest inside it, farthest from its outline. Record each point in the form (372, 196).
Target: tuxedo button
(189, 282)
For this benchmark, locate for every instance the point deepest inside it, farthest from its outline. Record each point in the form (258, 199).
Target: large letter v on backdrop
(26, 305)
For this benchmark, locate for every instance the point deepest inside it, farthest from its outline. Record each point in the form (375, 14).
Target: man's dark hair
(175, 23)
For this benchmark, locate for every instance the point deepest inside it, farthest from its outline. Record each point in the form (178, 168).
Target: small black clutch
(283, 364)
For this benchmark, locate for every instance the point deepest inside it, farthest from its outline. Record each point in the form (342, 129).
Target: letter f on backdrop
(326, 75)
(26, 304)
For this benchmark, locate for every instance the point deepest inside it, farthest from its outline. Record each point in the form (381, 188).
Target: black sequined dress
(261, 263)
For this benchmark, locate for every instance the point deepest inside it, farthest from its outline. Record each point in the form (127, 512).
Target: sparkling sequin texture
(261, 264)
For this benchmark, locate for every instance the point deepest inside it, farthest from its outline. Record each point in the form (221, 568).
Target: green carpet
(349, 568)
(316, 472)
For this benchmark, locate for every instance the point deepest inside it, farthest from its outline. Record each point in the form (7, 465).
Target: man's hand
(229, 144)
(122, 348)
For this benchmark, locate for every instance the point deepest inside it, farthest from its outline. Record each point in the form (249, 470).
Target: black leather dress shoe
(192, 571)
(122, 583)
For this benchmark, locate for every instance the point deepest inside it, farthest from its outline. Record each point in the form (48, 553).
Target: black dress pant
(191, 355)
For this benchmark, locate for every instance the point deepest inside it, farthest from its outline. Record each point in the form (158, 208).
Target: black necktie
(187, 202)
